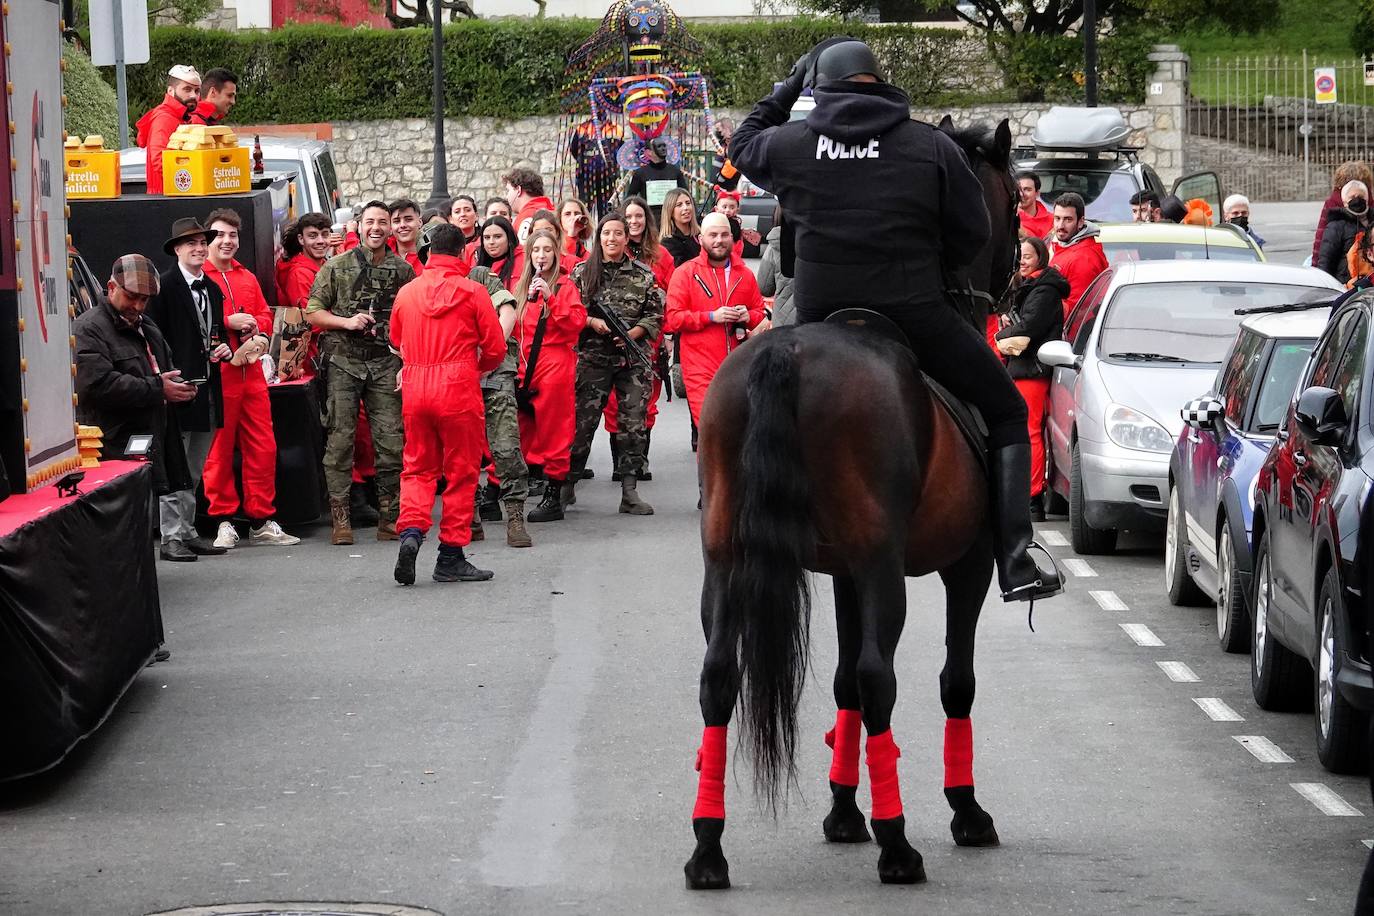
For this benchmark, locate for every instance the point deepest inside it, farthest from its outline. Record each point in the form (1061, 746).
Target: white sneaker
(271, 534)
(228, 536)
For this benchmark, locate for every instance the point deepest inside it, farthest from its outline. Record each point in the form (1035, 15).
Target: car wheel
(1085, 538)
(1277, 678)
(1233, 619)
(1183, 591)
(1341, 728)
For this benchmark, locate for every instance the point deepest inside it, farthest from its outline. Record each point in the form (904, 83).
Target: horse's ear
(1001, 143)
(947, 124)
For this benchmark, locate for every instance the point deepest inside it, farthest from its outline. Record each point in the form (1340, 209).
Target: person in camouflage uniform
(503, 425)
(351, 302)
(610, 279)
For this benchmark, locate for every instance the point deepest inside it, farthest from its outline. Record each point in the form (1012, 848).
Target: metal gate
(1263, 125)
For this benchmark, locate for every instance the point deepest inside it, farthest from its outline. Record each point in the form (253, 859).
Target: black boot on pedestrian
(615, 458)
(537, 481)
(1037, 508)
(490, 505)
(647, 475)
(360, 511)
(550, 508)
(452, 566)
(1020, 577)
(405, 557)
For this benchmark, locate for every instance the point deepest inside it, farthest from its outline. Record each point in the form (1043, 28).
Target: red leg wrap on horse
(844, 738)
(882, 776)
(958, 752)
(711, 765)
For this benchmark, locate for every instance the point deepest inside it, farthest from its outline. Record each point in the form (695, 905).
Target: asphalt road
(526, 746)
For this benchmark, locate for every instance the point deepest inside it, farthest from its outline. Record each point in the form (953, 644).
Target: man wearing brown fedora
(189, 309)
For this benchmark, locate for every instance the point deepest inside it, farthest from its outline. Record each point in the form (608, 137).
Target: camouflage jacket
(350, 283)
(627, 289)
(499, 296)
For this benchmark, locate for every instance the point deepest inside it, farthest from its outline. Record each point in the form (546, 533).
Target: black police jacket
(877, 201)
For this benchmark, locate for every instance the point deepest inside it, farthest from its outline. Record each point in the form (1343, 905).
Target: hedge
(514, 67)
(91, 103)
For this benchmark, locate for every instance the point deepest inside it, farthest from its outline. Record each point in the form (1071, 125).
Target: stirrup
(1037, 589)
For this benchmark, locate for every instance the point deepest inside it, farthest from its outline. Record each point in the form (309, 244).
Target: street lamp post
(439, 190)
(1090, 52)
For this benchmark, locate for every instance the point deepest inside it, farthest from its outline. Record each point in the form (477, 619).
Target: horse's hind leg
(707, 869)
(882, 602)
(845, 822)
(966, 585)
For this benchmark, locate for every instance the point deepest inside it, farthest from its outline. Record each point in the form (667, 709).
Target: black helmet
(843, 60)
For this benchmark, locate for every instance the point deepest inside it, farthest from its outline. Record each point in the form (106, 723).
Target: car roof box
(1084, 130)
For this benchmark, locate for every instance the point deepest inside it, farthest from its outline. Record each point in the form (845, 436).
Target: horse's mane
(979, 138)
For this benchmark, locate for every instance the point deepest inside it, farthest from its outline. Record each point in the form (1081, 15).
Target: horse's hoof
(845, 826)
(901, 866)
(974, 827)
(707, 871)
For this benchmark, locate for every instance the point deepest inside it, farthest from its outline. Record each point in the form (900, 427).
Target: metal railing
(1258, 123)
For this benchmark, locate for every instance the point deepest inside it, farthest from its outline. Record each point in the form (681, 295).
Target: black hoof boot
(707, 869)
(972, 826)
(898, 863)
(845, 822)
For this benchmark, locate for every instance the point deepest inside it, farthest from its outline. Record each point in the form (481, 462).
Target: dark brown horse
(823, 451)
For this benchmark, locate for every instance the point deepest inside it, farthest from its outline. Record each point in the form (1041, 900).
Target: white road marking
(1178, 672)
(1109, 601)
(1142, 634)
(1079, 568)
(1217, 710)
(1263, 750)
(1054, 538)
(1368, 844)
(1327, 801)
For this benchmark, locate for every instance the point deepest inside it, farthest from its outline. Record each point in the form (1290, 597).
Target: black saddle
(966, 416)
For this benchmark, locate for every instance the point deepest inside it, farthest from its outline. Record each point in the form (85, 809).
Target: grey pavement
(1287, 229)
(526, 745)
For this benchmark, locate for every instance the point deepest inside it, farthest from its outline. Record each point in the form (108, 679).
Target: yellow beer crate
(200, 172)
(92, 173)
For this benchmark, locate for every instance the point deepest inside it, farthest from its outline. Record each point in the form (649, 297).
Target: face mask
(1241, 221)
(1357, 205)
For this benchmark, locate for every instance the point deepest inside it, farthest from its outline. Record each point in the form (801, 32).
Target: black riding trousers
(950, 351)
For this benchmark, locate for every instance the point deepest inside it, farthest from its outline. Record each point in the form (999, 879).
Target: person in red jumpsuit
(447, 333)
(308, 245)
(713, 303)
(525, 193)
(247, 409)
(577, 229)
(156, 127)
(1036, 218)
(551, 302)
(218, 92)
(1074, 249)
(645, 247)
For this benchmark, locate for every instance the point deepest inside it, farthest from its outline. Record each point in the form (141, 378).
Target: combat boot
(550, 508)
(338, 515)
(1020, 577)
(630, 503)
(405, 557)
(537, 481)
(615, 458)
(517, 535)
(360, 510)
(478, 532)
(386, 517)
(489, 503)
(452, 566)
(647, 475)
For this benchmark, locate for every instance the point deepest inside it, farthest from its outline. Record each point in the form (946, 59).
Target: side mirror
(1203, 413)
(1321, 416)
(1059, 353)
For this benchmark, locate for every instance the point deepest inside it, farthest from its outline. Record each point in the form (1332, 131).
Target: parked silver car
(1144, 338)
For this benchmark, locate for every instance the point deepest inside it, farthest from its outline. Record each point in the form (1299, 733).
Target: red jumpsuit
(247, 412)
(154, 130)
(205, 113)
(1080, 261)
(546, 437)
(1039, 223)
(526, 215)
(663, 274)
(295, 276)
(447, 334)
(697, 290)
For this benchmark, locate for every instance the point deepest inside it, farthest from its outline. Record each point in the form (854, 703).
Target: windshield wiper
(1148, 357)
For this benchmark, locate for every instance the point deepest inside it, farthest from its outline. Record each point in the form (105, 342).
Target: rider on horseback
(879, 204)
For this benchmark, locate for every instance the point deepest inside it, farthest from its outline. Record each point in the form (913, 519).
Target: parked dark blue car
(1226, 436)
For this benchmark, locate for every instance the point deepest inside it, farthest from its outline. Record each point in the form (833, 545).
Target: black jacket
(876, 200)
(683, 248)
(174, 311)
(117, 390)
(1337, 237)
(1038, 307)
(654, 171)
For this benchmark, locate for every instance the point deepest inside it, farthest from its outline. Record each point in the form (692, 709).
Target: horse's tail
(769, 591)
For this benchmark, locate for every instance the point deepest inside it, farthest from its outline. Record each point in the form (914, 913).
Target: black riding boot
(1021, 578)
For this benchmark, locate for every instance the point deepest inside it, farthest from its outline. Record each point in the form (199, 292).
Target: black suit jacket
(173, 309)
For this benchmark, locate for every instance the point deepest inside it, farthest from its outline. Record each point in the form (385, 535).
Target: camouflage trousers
(597, 376)
(503, 434)
(372, 382)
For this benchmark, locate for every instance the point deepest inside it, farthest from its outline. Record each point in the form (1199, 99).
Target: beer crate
(92, 173)
(202, 172)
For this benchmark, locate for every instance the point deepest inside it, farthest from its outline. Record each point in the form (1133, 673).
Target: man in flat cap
(157, 126)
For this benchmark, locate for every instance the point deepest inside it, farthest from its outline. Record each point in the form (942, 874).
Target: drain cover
(300, 909)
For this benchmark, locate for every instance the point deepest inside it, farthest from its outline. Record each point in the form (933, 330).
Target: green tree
(91, 103)
(1362, 35)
